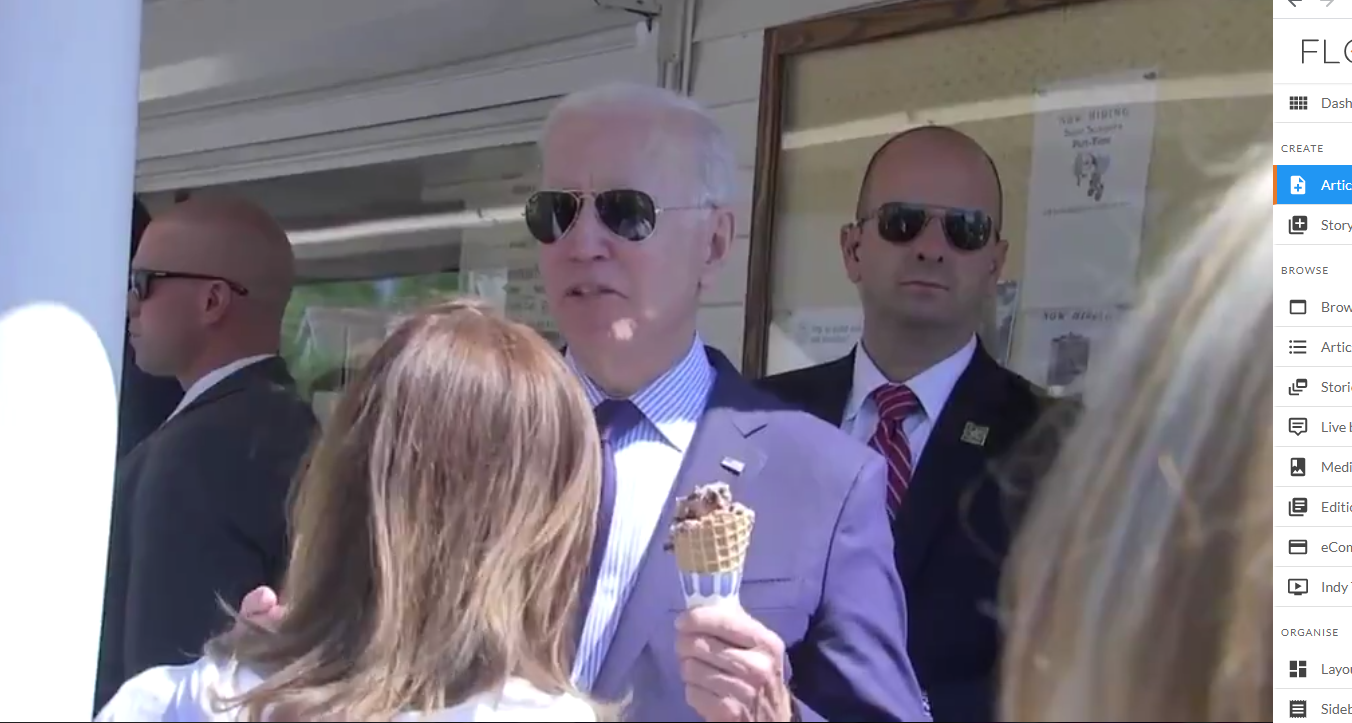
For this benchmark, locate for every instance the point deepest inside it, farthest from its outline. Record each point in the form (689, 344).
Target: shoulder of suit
(1048, 413)
(807, 437)
(286, 395)
(1057, 400)
(1024, 394)
(796, 383)
(276, 412)
(272, 396)
(791, 377)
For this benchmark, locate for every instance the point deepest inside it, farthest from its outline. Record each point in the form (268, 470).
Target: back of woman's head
(440, 530)
(1140, 586)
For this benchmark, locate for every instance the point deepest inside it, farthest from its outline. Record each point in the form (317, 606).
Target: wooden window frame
(909, 17)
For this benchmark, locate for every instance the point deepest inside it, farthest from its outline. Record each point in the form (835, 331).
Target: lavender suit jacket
(820, 572)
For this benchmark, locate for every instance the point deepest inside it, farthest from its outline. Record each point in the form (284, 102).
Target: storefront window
(1111, 122)
(331, 325)
(374, 242)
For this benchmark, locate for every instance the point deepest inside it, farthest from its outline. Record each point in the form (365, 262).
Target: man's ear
(216, 301)
(723, 231)
(1001, 255)
(850, 237)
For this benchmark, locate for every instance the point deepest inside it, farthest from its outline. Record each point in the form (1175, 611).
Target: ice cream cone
(717, 543)
(711, 552)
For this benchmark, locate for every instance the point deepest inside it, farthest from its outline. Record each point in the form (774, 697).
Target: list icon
(1298, 506)
(1296, 346)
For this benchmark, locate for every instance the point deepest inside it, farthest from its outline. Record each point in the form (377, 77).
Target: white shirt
(212, 378)
(932, 387)
(647, 461)
(189, 693)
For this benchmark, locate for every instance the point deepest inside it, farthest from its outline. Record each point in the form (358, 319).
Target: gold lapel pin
(734, 466)
(975, 434)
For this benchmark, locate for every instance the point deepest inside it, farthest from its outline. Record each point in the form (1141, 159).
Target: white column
(68, 95)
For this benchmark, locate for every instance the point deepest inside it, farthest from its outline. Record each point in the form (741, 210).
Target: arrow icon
(1328, 3)
(1293, 2)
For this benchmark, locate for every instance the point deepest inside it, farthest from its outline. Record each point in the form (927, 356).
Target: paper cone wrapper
(702, 589)
(710, 558)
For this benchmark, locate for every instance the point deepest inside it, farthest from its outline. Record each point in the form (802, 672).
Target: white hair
(689, 122)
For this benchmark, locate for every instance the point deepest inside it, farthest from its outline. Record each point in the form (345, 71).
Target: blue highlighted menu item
(1314, 184)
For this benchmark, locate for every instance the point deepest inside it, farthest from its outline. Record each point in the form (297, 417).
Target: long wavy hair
(1140, 588)
(440, 530)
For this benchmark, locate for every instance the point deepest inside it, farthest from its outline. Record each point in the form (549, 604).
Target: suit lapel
(719, 452)
(953, 462)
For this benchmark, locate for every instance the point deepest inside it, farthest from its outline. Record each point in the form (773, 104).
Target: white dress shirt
(647, 460)
(932, 387)
(190, 692)
(211, 379)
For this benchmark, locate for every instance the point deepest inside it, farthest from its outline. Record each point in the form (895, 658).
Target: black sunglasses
(140, 280)
(966, 229)
(627, 213)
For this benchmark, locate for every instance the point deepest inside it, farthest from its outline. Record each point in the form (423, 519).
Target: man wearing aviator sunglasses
(925, 252)
(633, 221)
(199, 505)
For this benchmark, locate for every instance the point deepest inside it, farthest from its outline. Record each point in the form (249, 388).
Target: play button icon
(1297, 586)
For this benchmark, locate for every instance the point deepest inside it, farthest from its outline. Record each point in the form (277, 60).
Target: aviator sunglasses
(627, 213)
(965, 229)
(140, 280)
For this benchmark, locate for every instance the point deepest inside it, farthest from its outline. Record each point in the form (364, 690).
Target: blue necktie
(614, 417)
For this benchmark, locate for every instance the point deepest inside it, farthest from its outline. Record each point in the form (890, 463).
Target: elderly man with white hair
(634, 218)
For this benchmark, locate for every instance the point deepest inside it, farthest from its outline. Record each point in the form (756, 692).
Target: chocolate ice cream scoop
(704, 501)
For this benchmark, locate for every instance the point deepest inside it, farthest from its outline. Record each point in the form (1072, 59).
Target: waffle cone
(713, 544)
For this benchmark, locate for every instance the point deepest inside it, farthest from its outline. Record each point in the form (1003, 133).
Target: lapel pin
(975, 434)
(734, 466)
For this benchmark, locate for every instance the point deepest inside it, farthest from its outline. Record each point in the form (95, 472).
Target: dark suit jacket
(955, 525)
(199, 514)
(819, 571)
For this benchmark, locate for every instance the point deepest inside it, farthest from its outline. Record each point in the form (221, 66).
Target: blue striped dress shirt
(647, 461)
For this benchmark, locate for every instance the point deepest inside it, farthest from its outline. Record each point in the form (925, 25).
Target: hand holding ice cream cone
(732, 665)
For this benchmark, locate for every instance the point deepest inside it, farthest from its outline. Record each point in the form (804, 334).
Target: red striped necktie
(895, 403)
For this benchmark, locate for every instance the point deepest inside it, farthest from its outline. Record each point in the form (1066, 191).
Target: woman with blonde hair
(1141, 586)
(440, 532)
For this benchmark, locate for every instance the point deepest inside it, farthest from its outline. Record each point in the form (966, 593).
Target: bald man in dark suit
(925, 252)
(199, 505)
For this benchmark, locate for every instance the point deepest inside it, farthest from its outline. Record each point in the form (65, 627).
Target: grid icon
(1300, 102)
